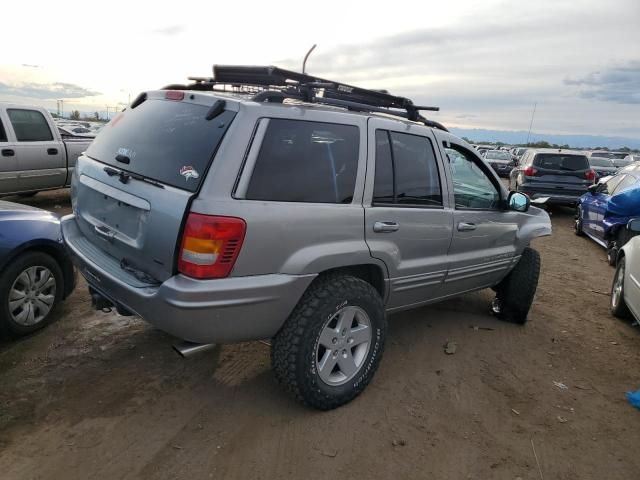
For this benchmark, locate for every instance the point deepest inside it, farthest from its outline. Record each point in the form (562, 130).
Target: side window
(29, 125)
(302, 161)
(613, 183)
(628, 181)
(472, 188)
(3, 133)
(406, 171)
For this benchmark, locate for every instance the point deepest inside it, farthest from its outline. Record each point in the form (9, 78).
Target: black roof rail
(274, 84)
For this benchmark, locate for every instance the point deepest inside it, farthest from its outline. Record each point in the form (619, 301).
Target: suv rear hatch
(558, 173)
(133, 185)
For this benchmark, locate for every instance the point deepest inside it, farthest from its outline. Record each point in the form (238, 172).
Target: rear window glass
(29, 125)
(164, 140)
(497, 156)
(302, 161)
(552, 161)
(3, 134)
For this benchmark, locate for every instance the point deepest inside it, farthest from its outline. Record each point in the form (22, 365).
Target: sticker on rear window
(189, 172)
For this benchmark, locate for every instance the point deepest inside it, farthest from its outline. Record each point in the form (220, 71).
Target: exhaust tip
(188, 349)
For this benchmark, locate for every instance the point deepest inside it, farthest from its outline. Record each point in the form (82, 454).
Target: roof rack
(273, 84)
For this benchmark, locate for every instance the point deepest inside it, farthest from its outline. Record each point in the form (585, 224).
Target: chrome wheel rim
(32, 295)
(343, 345)
(616, 292)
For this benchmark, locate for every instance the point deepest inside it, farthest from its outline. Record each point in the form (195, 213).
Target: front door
(41, 158)
(408, 221)
(484, 233)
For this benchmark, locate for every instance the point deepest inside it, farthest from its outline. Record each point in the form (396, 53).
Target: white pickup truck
(33, 154)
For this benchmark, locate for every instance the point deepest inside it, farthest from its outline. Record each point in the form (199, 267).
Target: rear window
(497, 156)
(168, 141)
(301, 161)
(3, 134)
(553, 161)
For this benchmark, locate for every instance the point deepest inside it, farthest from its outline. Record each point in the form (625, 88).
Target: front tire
(330, 346)
(514, 295)
(618, 305)
(30, 288)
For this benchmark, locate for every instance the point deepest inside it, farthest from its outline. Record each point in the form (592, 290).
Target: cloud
(619, 84)
(170, 30)
(28, 65)
(46, 91)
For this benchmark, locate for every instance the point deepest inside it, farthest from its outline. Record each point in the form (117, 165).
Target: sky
(485, 64)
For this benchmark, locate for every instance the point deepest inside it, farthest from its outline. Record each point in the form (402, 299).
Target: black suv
(562, 176)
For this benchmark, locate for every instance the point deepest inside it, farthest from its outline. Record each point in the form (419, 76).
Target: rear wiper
(124, 176)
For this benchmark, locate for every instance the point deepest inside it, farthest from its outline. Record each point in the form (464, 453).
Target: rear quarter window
(303, 161)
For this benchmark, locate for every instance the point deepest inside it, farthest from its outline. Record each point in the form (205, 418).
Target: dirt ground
(101, 396)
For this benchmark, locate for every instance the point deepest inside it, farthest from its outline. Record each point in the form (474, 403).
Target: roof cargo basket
(273, 84)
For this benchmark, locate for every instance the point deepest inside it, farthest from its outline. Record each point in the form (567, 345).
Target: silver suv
(298, 210)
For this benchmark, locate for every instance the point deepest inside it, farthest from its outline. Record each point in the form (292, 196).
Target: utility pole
(531, 123)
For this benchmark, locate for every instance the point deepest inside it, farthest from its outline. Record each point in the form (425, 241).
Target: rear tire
(20, 317)
(514, 295)
(577, 224)
(298, 353)
(618, 305)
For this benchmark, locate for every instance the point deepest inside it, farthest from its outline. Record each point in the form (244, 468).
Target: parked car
(603, 213)
(33, 155)
(603, 167)
(224, 218)
(500, 160)
(625, 289)
(518, 152)
(35, 271)
(562, 176)
(71, 131)
(633, 157)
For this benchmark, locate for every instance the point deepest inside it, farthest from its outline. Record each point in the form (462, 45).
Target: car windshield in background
(497, 156)
(620, 163)
(164, 140)
(600, 162)
(554, 161)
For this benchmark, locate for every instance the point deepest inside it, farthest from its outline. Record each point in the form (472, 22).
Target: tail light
(590, 175)
(530, 171)
(210, 245)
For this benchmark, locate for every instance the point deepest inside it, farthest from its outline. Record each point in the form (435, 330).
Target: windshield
(554, 161)
(165, 140)
(600, 162)
(497, 156)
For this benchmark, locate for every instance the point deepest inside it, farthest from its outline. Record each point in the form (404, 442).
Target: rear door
(561, 174)
(484, 235)
(133, 186)
(8, 159)
(40, 157)
(408, 222)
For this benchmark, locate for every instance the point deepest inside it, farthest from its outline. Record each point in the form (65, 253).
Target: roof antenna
(304, 62)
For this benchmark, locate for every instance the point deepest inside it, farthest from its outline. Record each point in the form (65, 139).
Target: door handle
(52, 151)
(105, 232)
(466, 226)
(385, 227)
(7, 152)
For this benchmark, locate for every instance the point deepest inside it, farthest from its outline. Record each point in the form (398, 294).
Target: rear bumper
(204, 311)
(556, 198)
(502, 169)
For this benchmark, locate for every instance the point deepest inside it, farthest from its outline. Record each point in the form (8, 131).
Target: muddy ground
(100, 396)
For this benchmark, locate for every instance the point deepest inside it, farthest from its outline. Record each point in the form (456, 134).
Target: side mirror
(518, 202)
(593, 189)
(633, 225)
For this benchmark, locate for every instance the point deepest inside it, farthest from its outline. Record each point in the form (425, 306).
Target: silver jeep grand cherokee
(296, 209)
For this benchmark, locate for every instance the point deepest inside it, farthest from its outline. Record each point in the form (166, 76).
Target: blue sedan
(603, 213)
(35, 271)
